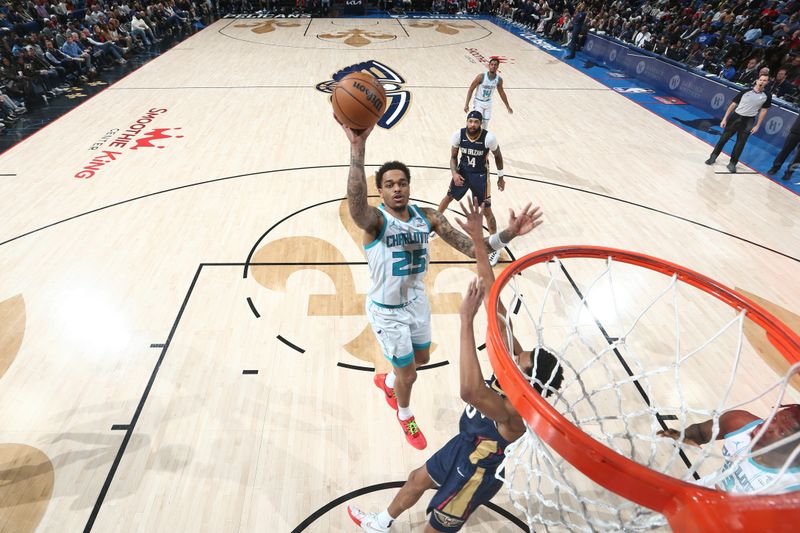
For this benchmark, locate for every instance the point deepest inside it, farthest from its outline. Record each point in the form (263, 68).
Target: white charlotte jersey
(398, 259)
(749, 476)
(486, 88)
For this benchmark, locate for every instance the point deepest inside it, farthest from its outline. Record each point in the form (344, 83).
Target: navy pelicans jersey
(486, 87)
(488, 446)
(473, 153)
(398, 259)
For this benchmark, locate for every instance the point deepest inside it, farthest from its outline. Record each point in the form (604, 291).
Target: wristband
(500, 173)
(495, 242)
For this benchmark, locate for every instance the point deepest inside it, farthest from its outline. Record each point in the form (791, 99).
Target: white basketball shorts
(401, 330)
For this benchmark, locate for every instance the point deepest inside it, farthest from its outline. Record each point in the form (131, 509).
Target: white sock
(385, 519)
(390, 377)
(404, 413)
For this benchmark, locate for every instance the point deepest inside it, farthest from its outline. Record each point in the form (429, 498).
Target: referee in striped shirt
(740, 118)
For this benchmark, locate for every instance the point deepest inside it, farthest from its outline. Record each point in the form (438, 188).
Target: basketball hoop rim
(635, 482)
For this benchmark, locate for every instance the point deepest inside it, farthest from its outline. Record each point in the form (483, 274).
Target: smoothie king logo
(475, 56)
(117, 143)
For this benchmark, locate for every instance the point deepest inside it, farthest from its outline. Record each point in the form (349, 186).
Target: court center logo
(640, 66)
(674, 82)
(397, 99)
(774, 125)
(717, 100)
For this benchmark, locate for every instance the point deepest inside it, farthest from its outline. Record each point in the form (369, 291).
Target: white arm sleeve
(491, 141)
(455, 140)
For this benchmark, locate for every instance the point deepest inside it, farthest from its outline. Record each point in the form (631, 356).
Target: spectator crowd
(49, 46)
(734, 39)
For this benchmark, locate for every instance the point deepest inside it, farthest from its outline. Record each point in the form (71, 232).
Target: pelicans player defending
(485, 84)
(395, 240)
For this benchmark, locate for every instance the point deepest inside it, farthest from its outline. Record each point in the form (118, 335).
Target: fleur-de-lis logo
(345, 299)
(356, 37)
(448, 28)
(267, 26)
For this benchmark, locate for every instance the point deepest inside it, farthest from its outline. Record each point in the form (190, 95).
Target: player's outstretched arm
(364, 215)
(473, 389)
(703, 432)
(474, 228)
(520, 224)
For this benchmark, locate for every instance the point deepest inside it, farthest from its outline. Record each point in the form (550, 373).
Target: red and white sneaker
(380, 382)
(366, 521)
(414, 435)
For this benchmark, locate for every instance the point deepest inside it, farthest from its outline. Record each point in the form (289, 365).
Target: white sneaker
(494, 257)
(367, 521)
(432, 235)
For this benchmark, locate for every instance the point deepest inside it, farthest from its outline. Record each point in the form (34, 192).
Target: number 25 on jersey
(409, 262)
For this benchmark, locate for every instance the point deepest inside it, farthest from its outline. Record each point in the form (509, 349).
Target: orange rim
(686, 506)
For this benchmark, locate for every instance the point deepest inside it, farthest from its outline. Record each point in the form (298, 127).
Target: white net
(641, 352)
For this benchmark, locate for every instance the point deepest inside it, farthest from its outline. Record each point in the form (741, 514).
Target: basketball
(358, 101)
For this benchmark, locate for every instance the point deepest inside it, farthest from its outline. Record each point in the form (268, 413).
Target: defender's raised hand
(525, 221)
(474, 224)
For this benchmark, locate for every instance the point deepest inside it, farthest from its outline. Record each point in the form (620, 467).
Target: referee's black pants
(792, 140)
(741, 126)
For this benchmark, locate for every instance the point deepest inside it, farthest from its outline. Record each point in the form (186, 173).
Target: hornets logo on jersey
(397, 100)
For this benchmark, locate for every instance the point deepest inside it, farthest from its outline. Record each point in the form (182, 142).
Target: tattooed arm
(518, 225)
(458, 179)
(364, 215)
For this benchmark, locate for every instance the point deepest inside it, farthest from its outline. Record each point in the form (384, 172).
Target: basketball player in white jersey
(750, 471)
(395, 239)
(485, 84)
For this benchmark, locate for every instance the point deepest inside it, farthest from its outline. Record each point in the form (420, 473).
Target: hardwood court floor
(129, 316)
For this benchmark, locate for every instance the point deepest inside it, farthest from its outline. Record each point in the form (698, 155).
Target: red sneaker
(380, 382)
(413, 434)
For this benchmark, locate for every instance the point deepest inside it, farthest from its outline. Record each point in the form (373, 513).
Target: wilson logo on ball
(373, 97)
(354, 103)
